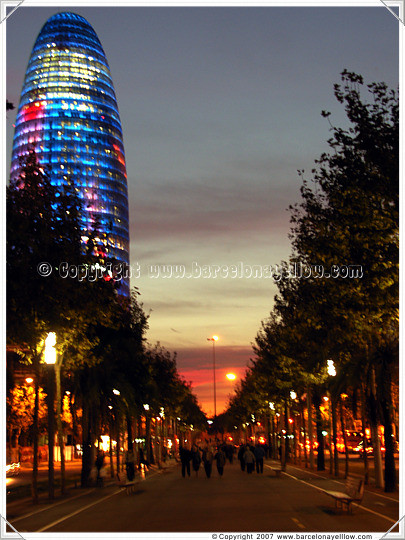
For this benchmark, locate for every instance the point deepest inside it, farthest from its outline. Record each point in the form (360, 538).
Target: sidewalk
(234, 502)
(22, 505)
(305, 473)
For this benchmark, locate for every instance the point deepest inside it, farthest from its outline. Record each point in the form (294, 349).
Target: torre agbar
(68, 113)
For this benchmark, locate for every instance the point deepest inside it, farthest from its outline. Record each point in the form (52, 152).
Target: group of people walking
(206, 456)
(194, 457)
(251, 455)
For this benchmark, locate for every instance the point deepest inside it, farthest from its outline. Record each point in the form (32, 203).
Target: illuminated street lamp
(50, 351)
(331, 368)
(29, 380)
(332, 422)
(214, 339)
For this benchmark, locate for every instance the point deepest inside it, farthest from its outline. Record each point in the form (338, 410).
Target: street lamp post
(293, 396)
(50, 360)
(332, 413)
(214, 339)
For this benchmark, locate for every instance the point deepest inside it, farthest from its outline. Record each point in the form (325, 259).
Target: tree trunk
(87, 462)
(378, 470)
(274, 438)
(343, 427)
(363, 428)
(330, 428)
(305, 434)
(283, 445)
(129, 431)
(320, 461)
(334, 426)
(147, 438)
(390, 475)
(111, 449)
(294, 434)
(117, 450)
(298, 432)
(35, 431)
(59, 427)
(267, 420)
(310, 428)
(72, 408)
(287, 432)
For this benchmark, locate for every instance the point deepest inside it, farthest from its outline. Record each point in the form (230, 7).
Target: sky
(220, 106)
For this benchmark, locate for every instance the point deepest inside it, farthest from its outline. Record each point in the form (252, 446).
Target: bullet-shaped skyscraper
(68, 113)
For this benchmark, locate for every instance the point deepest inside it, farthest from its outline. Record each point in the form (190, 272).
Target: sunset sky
(220, 107)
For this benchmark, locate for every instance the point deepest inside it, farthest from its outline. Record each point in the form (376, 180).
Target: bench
(129, 487)
(353, 492)
(276, 470)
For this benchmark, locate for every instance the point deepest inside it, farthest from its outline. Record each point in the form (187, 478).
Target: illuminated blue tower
(68, 112)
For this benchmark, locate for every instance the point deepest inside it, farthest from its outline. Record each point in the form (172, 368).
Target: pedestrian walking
(196, 459)
(249, 459)
(99, 466)
(185, 458)
(221, 459)
(143, 462)
(230, 450)
(130, 465)
(208, 457)
(259, 454)
(241, 453)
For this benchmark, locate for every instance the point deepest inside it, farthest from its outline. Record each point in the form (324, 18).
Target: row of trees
(103, 360)
(348, 216)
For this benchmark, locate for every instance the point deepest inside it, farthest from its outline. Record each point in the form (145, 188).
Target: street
(166, 502)
(24, 476)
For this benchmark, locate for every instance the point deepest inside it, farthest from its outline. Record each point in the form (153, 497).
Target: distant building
(68, 112)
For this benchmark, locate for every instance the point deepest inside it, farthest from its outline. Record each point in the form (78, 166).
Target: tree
(38, 231)
(349, 215)
(20, 411)
(113, 360)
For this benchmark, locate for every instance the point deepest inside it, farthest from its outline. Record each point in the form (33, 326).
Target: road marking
(318, 475)
(384, 496)
(77, 511)
(88, 506)
(53, 505)
(298, 523)
(358, 505)
(376, 513)
(342, 483)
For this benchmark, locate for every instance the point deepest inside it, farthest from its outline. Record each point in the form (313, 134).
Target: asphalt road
(166, 502)
(24, 477)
